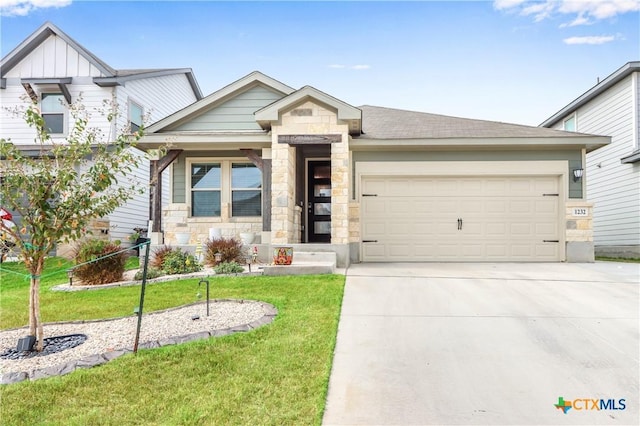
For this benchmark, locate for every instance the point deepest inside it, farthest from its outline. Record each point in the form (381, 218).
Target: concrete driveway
(436, 344)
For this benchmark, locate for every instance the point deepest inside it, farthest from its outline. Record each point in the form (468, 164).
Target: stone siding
(176, 219)
(308, 118)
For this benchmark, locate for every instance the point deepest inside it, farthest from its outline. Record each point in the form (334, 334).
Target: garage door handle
(459, 224)
(369, 241)
(550, 241)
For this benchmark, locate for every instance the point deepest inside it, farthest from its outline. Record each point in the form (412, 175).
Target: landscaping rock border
(269, 313)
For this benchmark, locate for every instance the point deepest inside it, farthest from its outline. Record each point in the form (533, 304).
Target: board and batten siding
(54, 58)
(612, 186)
(234, 114)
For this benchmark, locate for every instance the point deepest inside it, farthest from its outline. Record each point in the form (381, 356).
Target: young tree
(63, 187)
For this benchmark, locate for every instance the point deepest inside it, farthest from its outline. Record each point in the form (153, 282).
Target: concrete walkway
(436, 344)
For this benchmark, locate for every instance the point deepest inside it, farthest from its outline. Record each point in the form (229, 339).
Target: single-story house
(304, 169)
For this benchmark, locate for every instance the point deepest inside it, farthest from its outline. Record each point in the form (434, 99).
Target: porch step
(305, 263)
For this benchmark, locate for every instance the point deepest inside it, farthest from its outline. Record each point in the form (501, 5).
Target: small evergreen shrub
(158, 256)
(178, 262)
(152, 272)
(228, 268)
(230, 248)
(106, 270)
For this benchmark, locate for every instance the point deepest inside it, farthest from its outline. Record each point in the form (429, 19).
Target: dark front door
(319, 202)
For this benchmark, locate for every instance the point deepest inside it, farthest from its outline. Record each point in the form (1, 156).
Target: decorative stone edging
(164, 278)
(90, 361)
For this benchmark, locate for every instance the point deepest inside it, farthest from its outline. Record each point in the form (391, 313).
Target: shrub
(230, 248)
(106, 270)
(158, 256)
(152, 272)
(178, 262)
(228, 268)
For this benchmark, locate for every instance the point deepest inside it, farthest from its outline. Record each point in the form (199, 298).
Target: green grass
(617, 259)
(275, 375)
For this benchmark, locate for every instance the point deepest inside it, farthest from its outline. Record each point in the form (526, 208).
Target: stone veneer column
(579, 231)
(308, 118)
(340, 190)
(283, 178)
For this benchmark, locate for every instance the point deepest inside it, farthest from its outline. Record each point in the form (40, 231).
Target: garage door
(512, 218)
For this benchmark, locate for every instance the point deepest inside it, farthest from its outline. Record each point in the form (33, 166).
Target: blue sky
(515, 61)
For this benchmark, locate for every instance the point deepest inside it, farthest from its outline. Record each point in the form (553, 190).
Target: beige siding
(236, 113)
(612, 186)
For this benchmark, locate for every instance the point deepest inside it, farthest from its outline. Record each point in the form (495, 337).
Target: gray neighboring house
(612, 108)
(301, 168)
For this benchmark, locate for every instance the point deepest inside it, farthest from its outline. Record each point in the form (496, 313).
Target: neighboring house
(54, 70)
(612, 108)
(302, 168)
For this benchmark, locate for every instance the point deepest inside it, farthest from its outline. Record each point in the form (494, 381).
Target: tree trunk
(35, 324)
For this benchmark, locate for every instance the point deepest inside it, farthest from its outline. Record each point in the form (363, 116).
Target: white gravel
(108, 335)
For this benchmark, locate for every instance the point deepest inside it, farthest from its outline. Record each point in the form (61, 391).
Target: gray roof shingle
(389, 123)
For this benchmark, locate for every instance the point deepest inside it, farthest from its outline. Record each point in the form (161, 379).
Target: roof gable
(191, 117)
(73, 60)
(40, 36)
(345, 112)
(602, 86)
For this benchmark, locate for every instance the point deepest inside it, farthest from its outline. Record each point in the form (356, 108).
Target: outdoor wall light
(577, 174)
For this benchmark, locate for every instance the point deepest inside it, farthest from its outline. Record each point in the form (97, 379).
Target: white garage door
(510, 218)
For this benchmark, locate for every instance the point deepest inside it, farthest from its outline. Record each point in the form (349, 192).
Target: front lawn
(277, 374)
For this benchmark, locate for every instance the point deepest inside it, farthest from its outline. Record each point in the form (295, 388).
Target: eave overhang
(60, 82)
(589, 143)
(190, 141)
(634, 157)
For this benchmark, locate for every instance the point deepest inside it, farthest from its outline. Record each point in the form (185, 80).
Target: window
(206, 185)
(570, 124)
(246, 196)
(135, 116)
(216, 182)
(53, 109)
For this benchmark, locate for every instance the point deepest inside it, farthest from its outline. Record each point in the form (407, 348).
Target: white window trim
(130, 102)
(225, 183)
(65, 113)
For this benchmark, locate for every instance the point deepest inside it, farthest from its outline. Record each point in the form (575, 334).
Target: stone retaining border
(90, 361)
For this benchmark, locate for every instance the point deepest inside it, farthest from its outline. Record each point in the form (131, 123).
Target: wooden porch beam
(157, 167)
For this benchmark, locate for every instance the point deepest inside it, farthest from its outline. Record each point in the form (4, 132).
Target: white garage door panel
(503, 219)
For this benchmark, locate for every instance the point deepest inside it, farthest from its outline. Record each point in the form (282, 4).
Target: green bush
(151, 273)
(106, 270)
(230, 248)
(228, 268)
(158, 256)
(178, 262)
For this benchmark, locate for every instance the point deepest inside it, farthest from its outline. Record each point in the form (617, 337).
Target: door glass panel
(322, 228)
(322, 190)
(322, 208)
(322, 172)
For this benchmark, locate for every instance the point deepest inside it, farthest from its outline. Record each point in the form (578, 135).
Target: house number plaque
(580, 211)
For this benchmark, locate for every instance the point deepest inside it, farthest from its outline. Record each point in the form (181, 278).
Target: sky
(514, 61)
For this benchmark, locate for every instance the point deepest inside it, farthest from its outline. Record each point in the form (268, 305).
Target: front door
(319, 202)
